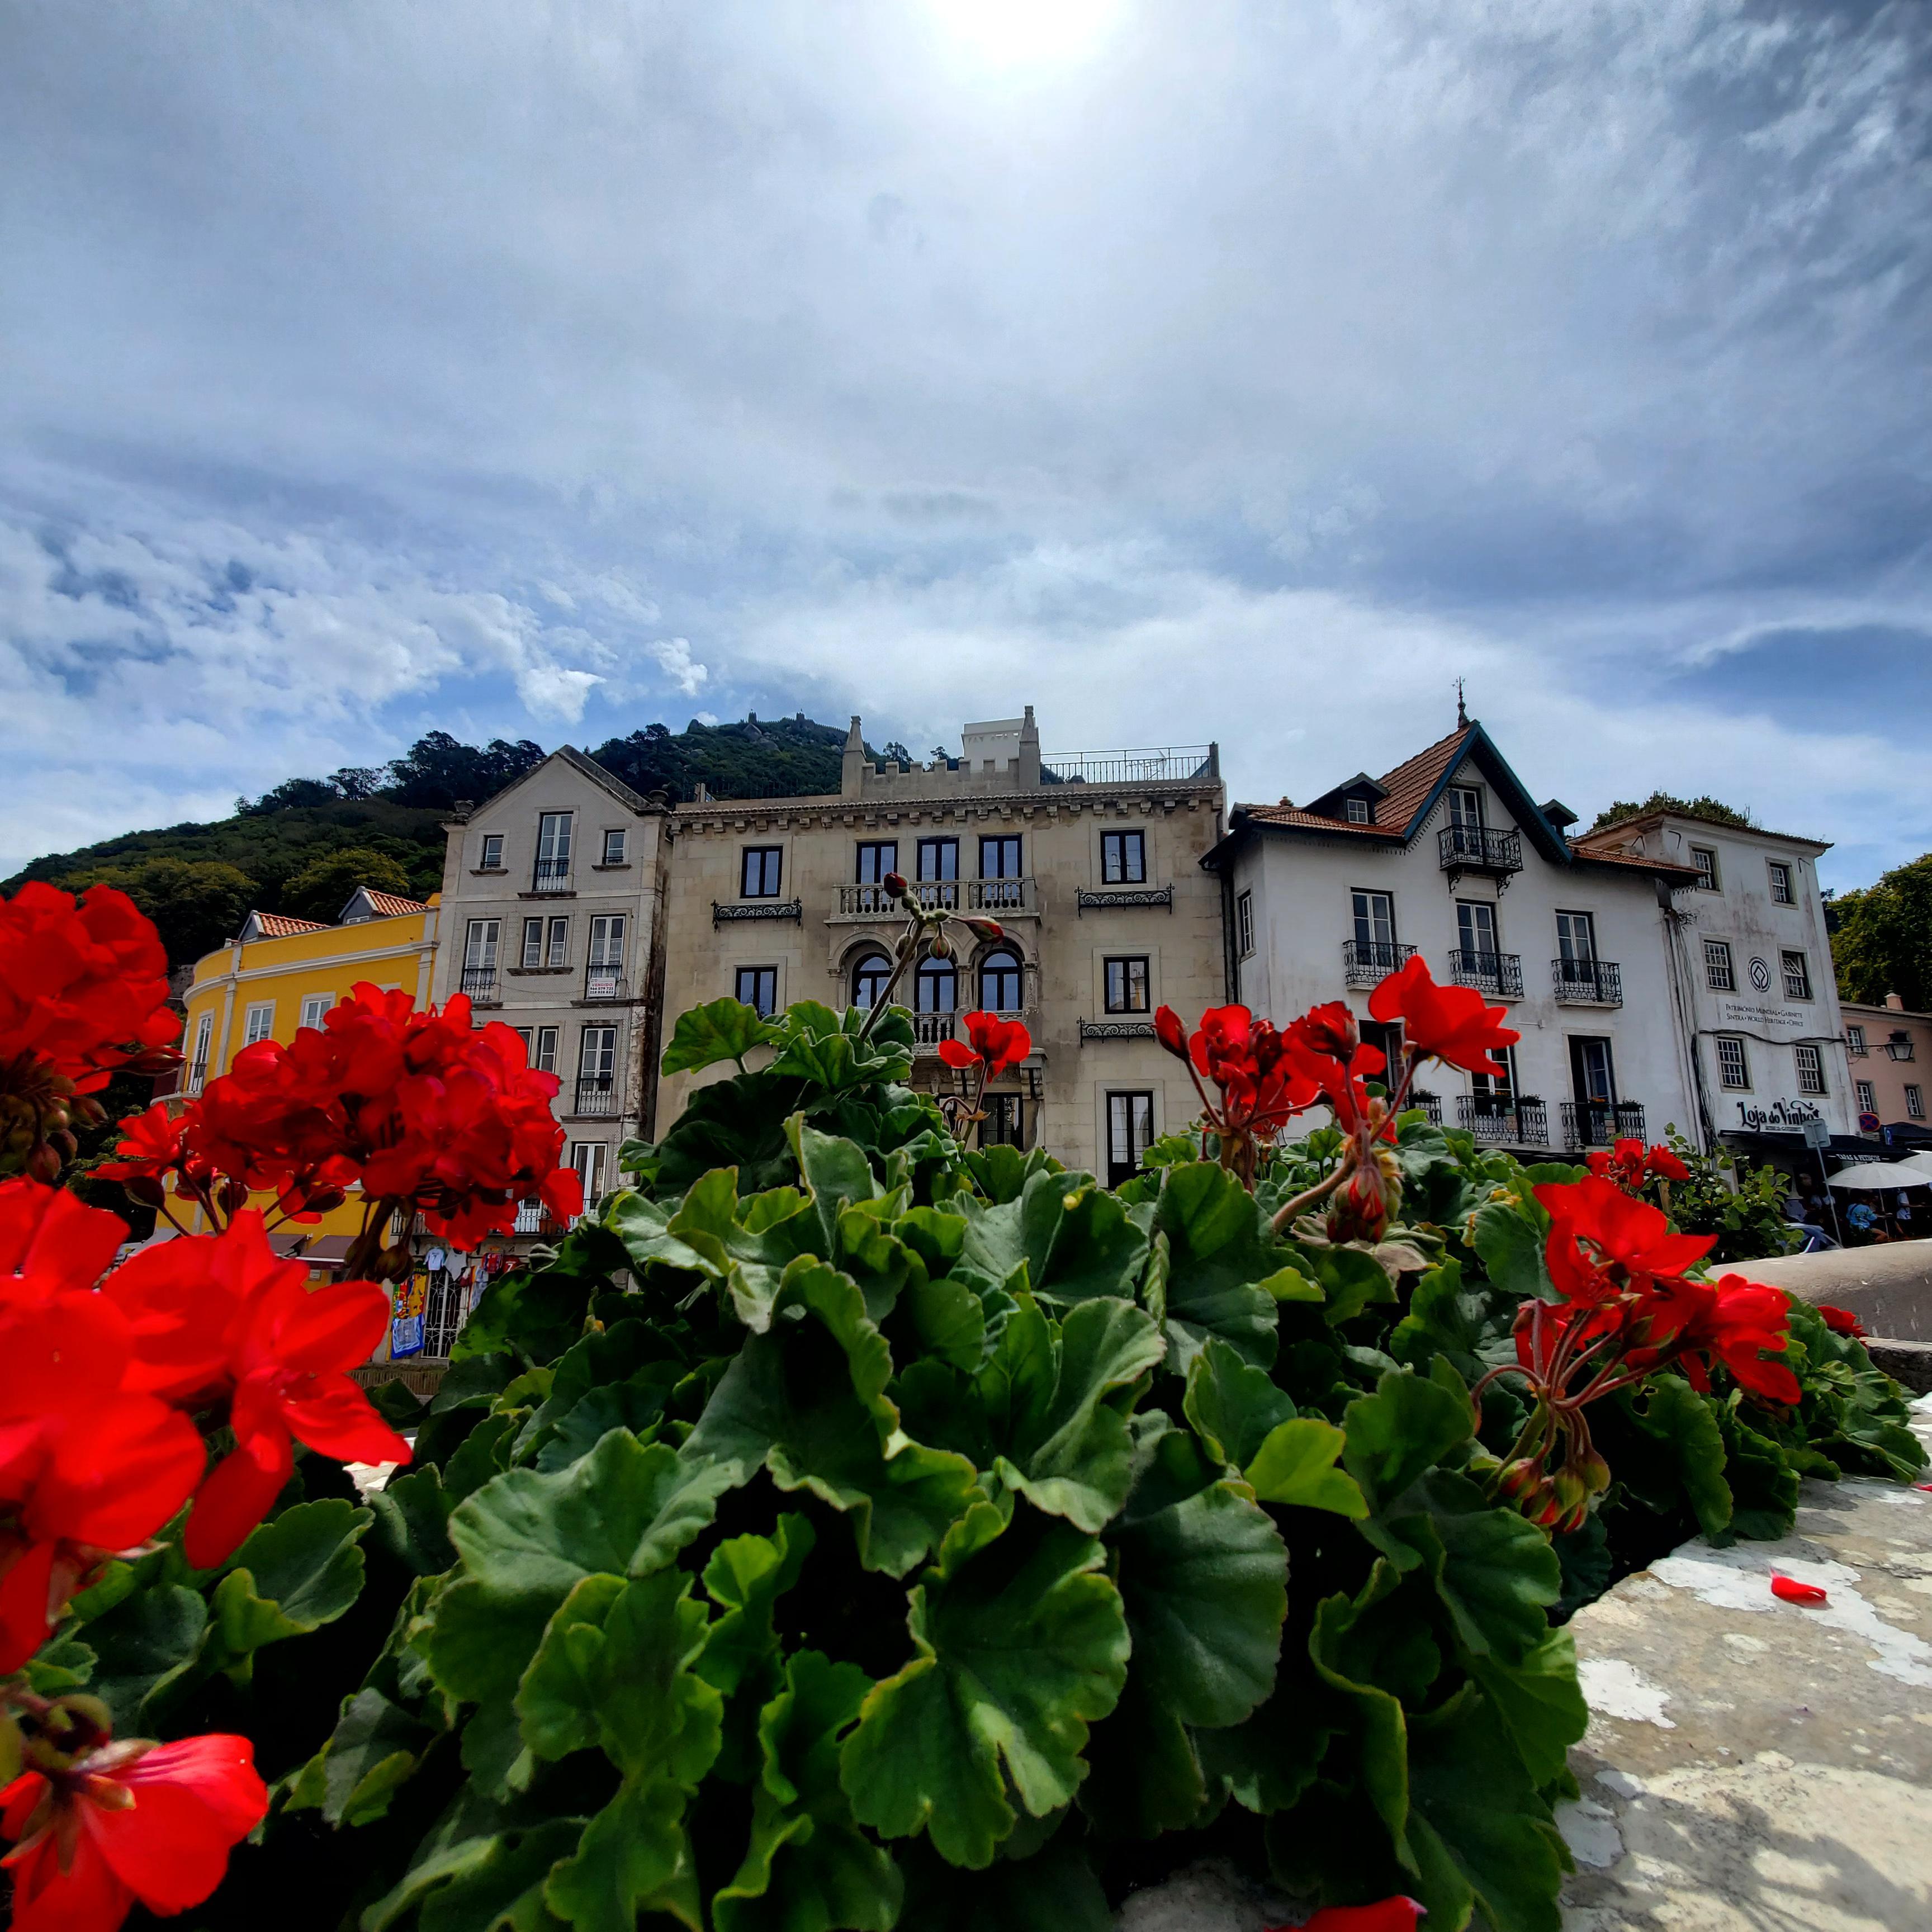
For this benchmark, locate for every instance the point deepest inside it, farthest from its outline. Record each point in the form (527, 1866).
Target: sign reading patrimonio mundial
(1752, 1016)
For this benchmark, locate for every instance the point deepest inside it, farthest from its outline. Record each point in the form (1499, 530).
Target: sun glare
(1024, 33)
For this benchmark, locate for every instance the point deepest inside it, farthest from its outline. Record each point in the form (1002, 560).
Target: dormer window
(1358, 812)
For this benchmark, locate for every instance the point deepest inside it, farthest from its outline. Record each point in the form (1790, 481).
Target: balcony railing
(1588, 1123)
(1588, 982)
(1365, 962)
(552, 875)
(1498, 973)
(1153, 765)
(987, 896)
(597, 1094)
(480, 981)
(1431, 1105)
(1475, 848)
(1500, 1122)
(605, 982)
(534, 1218)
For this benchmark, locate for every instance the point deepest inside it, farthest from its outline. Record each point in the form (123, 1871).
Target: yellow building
(281, 974)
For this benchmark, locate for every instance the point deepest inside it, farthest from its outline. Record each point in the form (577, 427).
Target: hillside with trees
(303, 848)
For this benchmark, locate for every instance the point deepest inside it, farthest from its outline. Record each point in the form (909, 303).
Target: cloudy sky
(1190, 369)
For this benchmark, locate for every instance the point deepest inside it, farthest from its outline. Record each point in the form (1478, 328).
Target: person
(1860, 1217)
(1806, 1216)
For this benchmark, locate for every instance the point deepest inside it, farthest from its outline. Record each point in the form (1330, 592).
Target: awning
(318, 1250)
(1876, 1175)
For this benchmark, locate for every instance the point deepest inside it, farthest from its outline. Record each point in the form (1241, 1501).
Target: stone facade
(1091, 866)
(552, 899)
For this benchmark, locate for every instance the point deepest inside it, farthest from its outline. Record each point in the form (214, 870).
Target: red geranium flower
(996, 1043)
(83, 983)
(1629, 1164)
(124, 1822)
(1594, 1225)
(48, 1234)
(1840, 1321)
(1742, 1322)
(1390, 1914)
(1449, 1022)
(216, 1317)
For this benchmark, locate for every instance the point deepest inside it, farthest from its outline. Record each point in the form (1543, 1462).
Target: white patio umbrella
(1871, 1175)
(1921, 1161)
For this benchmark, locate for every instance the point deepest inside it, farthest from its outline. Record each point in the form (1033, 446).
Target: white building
(552, 922)
(1751, 969)
(1449, 857)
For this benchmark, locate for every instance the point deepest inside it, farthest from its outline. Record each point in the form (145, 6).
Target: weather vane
(1462, 712)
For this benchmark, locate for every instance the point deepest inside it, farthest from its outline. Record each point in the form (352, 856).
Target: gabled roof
(278, 926)
(588, 768)
(379, 905)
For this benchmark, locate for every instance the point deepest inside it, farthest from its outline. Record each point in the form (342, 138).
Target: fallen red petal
(1792, 1592)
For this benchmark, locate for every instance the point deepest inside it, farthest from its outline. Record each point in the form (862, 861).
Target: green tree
(321, 890)
(196, 904)
(1713, 810)
(1882, 940)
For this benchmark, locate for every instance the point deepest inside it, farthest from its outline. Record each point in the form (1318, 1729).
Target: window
(938, 859)
(1733, 1069)
(533, 932)
(1002, 982)
(557, 951)
(314, 1005)
(261, 1022)
(1001, 1127)
(758, 988)
(1244, 923)
(1126, 985)
(443, 1312)
(597, 1070)
(1465, 807)
(1914, 1101)
(1718, 966)
(1476, 931)
(1130, 1134)
(1705, 860)
(936, 987)
(1797, 977)
(1375, 930)
(614, 846)
(1495, 1092)
(204, 1035)
(868, 980)
(1000, 858)
(1868, 1098)
(1576, 938)
(1593, 1074)
(1123, 858)
(603, 968)
(761, 872)
(877, 857)
(541, 1043)
(479, 958)
(1781, 882)
(493, 853)
(589, 1157)
(1855, 1041)
(553, 849)
(1358, 812)
(1810, 1070)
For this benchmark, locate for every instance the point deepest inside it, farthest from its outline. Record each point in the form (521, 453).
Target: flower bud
(895, 885)
(1517, 1477)
(233, 1196)
(146, 1189)
(1570, 1488)
(942, 947)
(1169, 1031)
(1595, 1472)
(985, 928)
(1573, 1519)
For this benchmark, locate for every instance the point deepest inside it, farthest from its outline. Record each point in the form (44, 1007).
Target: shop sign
(1779, 1113)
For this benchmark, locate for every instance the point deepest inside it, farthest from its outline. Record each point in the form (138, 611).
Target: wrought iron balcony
(1499, 1121)
(1367, 962)
(605, 982)
(534, 1218)
(1588, 1123)
(480, 982)
(552, 875)
(1588, 982)
(991, 896)
(1431, 1105)
(597, 1094)
(728, 912)
(1498, 973)
(1475, 848)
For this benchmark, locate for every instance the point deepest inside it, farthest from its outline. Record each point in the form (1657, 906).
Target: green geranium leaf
(1232, 1405)
(1052, 1889)
(1351, 1280)
(1678, 1451)
(633, 1857)
(1021, 1644)
(1220, 1250)
(1054, 1395)
(739, 1123)
(1296, 1464)
(375, 1746)
(411, 1521)
(835, 1171)
(824, 1047)
(745, 1577)
(1001, 1173)
(503, 1890)
(1510, 1233)
(721, 1029)
(292, 1575)
(145, 1644)
(809, 1867)
(1376, 1731)
(1076, 1240)
(1539, 1702)
(1405, 1427)
(1495, 1571)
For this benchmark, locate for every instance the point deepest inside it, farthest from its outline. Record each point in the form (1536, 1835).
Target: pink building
(1890, 1052)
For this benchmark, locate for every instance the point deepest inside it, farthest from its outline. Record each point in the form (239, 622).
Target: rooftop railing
(1155, 765)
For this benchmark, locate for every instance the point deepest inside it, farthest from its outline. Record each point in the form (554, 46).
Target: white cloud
(673, 659)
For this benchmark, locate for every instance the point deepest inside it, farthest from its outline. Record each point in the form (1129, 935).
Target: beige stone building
(551, 922)
(1091, 865)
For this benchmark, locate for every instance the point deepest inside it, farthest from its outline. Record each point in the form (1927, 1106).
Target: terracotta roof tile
(280, 925)
(387, 905)
(1407, 786)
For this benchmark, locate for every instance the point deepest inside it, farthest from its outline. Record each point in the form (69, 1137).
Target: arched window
(1000, 981)
(936, 987)
(869, 980)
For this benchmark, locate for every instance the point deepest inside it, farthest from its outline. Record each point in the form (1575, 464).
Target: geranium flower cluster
(992, 1046)
(83, 991)
(108, 1379)
(422, 1111)
(1629, 1305)
(1263, 1077)
(1633, 1166)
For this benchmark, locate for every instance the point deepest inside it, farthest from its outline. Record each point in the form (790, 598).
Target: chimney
(1029, 771)
(1895, 1003)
